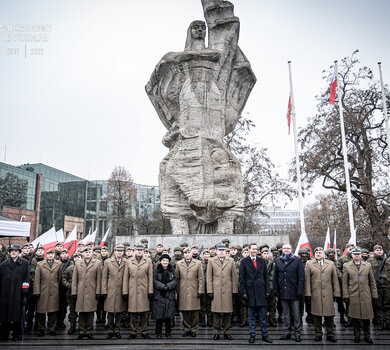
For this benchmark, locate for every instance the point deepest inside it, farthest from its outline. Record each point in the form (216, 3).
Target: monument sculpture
(199, 95)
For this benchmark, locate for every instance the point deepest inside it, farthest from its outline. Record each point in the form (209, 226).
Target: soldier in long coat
(14, 286)
(321, 287)
(112, 287)
(360, 288)
(138, 286)
(47, 289)
(190, 288)
(86, 285)
(222, 283)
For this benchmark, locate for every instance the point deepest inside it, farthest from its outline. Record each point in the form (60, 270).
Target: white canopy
(13, 228)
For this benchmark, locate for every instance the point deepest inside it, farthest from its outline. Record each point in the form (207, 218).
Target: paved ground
(203, 341)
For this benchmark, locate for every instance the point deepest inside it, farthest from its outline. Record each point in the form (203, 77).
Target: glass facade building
(277, 220)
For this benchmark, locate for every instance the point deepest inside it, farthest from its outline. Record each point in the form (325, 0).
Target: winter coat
(13, 276)
(163, 305)
(289, 278)
(112, 285)
(360, 287)
(222, 281)
(322, 285)
(86, 284)
(254, 282)
(138, 283)
(190, 282)
(47, 286)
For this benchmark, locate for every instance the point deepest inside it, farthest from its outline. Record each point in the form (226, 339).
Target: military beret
(58, 244)
(302, 251)
(233, 246)
(119, 247)
(139, 247)
(64, 250)
(212, 247)
(165, 256)
(239, 247)
(318, 249)
(89, 243)
(50, 251)
(76, 255)
(159, 245)
(40, 248)
(279, 245)
(81, 243)
(306, 248)
(97, 247)
(194, 247)
(356, 250)
(366, 251)
(178, 249)
(273, 249)
(186, 249)
(14, 247)
(144, 240)
(104, 248)
(225, 240)
(184, 244)
(25, 246)
(378, 247)
(220, 247)
(126, 244)
(130, 248)
(264, 246)
(330, 251)
(264, 249)
(205, 251)
(87, 249)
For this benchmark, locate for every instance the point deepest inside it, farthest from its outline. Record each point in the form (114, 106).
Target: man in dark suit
(255, 289)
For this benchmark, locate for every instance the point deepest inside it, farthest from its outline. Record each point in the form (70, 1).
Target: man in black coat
(14, 284)
(288, 285)
(255, 289)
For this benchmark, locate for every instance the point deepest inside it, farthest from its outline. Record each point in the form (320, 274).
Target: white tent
(13, 228)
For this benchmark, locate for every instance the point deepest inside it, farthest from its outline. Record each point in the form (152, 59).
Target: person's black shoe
(285, 337)
(159, 335)
(228, 337)
(90, 336)
(53, 333)
(266, 339)
(41, 333)
(318, 338)
(118, 335)
(368, 340)
(356, 340)
(202, 324)
(272, 322)
(331, 338)
(80, 336)
(252, 339)
(216, 337)
(243, 323)
(193, 334)
(348, 323)
(145, 336)
(209, 324)
(15, 337)
(298, 338)
(186, 334)
(71, 330)
(342, 320)
(168, 335)
(132, 336)
(61, 326)
(110, 335)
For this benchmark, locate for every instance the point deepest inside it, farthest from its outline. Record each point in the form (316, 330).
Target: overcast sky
(76, 101)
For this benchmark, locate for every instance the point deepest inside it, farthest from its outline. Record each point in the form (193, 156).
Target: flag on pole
(48, 240)
(303, 242)
(60, 235)
(333, 86)
(327, 240)
(289, 114)
(352, 240)
(104, 239)
(72, 238)
(335, 244)
(91, 237)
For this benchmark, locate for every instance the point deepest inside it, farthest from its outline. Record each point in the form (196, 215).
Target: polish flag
(303, 242)
(335, 244)
(104, 239)
(48, 240)
(327, 240)
(352, 240)
(72, 238)
(289, 114)
(333, 86)
(60, 235)
(91, 237)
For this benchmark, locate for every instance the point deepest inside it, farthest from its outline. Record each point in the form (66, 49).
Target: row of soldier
(208, 288)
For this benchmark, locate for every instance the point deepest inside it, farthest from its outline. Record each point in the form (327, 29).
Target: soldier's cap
(178, 249)
(307, 249)
(185, 250)
(264, 249)
(126, 244)
(76, 255)
(81, 243)
(50, 251)
(139, 247)
(377, 246)
(194, 247)
(239, 247)
(330, 251)
(119, 247)
(318, 249)
(87, 249)
(159, 245)
(184, 244)
(264, 246)
(40, 248)
(129, 248)
(64, 250)
(206, 251)
(225, 240)
(273, 249)
(144, 240)
(97, 247)
(220, 247)
(165, 256)
(365, 251)
(89, 243)
(212, 247)
(58, 244)
(279, 245)
(303, 251)
(14, 247)
(349, 245)
(104, 248)
(356, 250)
(233, 246)
(245, 250)
(25, 246)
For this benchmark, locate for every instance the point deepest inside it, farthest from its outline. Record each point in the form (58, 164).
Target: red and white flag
(327, 240)
(72, 238)
(335, 244)
(289, 114)
(91, 237)
(48, 240)
(104, 239)
(333, 86)
(60, 235)
(352, 240)
(303, 242)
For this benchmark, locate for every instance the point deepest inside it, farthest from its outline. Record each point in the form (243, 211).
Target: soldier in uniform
(86, 284)
(96, 252)
(271, 300)
(360, 288)
(190, 287)
(213, 251)
(195, 252)
(157, 255)
(222, 284)
(234, 253)
(104, 253)
(100, 313)
(304, 254)
(365, 253)
(48, 277)
(382, 278)
(112, 286)
(226, 242)
(205, 303)
(58, 249)
(138, 286)
(144, 242)
(63, 308)
(177, 256)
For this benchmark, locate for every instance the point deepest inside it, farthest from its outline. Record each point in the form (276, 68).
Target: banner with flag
(60, 235)
(91, 237)
(335, 244)
(72, 238)
(48, 239)
(289, 114)
(104, 239)
(303, 242)
(333, 86)
(327, 240)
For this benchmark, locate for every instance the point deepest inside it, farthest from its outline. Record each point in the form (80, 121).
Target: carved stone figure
(199, 95)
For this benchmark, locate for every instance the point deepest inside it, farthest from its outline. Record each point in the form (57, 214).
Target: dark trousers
(114, 322)
(317, 320)
(262, 320)
(221, 322)
(190, 320)
(159, 325)
(356, 327)
(143, 325)
(291, 309)
(6, 327)
(63, 306)
(51, 321)
(85, 322)
(30, 308)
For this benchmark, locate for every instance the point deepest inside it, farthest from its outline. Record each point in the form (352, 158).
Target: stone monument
(199, 95)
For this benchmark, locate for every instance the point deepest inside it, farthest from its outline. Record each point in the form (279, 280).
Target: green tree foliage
(13, 191)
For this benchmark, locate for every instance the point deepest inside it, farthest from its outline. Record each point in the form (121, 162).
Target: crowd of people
(212, 287)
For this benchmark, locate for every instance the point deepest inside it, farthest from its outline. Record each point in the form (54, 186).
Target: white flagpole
(344, 144)
(296, 152)
(385, 108)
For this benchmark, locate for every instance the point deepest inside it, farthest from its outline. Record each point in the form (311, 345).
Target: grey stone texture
(199, 95)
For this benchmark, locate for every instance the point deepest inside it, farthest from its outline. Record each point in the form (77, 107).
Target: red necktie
(255, 263)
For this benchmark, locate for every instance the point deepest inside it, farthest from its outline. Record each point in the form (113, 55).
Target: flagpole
(385, 108)
(302, 218)
(344, 144)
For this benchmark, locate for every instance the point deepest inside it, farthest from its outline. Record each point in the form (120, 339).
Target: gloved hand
(375, 301)
(308, 299)
(125, 297)
(104, 296)
(165, 289)
(74, 296)
(245, 297)
(37, 296)
(199, 295)
(346, 300)
(210, 296)
(150, 296)
(97, 296)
